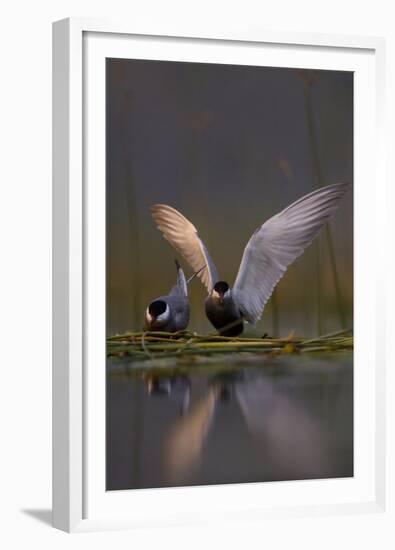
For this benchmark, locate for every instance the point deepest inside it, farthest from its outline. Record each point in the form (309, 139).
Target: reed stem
(143, 346)
(308, 82)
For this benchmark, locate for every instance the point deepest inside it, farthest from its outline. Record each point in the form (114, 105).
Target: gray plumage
(170, 313)
(271, 249)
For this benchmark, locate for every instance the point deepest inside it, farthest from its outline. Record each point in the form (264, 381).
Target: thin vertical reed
(308, 81)
(275, 314)
(133, 236)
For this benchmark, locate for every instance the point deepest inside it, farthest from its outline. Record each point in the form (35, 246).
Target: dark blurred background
(228, 146)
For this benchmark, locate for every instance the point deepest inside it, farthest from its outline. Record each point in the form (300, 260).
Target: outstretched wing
(277, 243)
(183, 236)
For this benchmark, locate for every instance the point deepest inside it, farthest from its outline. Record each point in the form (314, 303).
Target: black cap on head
(156, 308)
(221, 287)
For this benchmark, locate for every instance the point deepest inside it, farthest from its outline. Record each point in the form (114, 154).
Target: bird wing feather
(181, 288)
(183, 236)
(277, 243)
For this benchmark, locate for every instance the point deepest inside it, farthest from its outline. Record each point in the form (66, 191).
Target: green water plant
(153, 345)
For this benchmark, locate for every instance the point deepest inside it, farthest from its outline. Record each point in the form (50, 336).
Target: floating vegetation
(141, 346)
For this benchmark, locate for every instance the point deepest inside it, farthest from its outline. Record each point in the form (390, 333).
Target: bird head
(221, 291)
(157, 314)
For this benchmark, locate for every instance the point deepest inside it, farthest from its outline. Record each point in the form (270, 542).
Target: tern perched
(170, 313)
(271, 249)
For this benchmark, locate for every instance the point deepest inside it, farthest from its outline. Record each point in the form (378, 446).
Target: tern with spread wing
(271, 249)
(170, 313)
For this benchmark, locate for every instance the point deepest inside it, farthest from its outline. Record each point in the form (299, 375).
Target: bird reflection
(175, 387)
(293, 439)
(289, 440)
(184, 444)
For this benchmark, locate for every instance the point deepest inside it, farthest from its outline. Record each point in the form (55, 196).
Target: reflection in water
(176, 385)
(289, 419)
(184, 442)
(291, 436)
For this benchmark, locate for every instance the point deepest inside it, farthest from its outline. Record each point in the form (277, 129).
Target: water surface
(252, 419)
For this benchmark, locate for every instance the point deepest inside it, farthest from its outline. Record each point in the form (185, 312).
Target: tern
(170, 313)
(271, 249)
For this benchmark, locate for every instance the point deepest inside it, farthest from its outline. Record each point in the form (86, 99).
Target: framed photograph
(217, 288)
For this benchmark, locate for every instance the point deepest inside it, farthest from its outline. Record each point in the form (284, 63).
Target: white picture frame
(79, 500)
